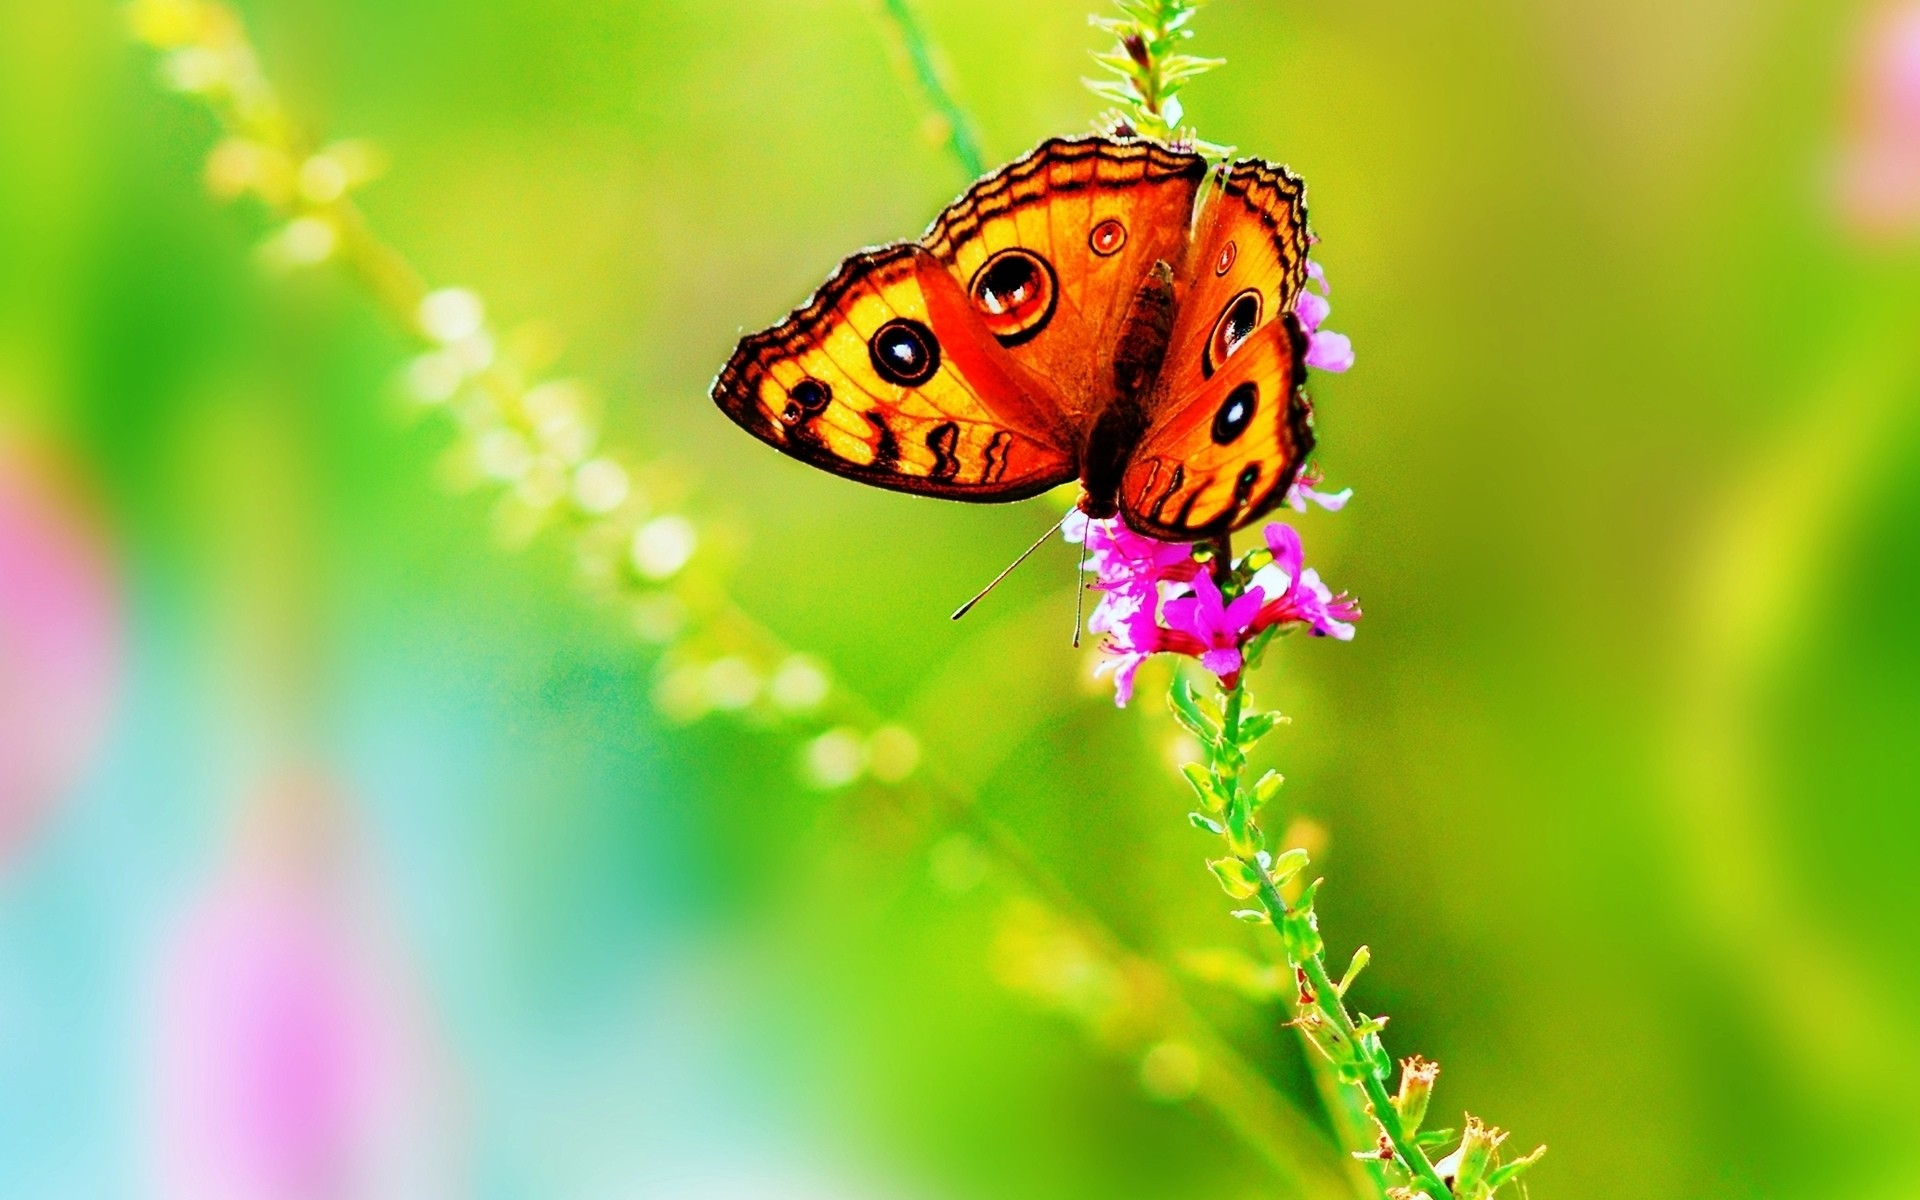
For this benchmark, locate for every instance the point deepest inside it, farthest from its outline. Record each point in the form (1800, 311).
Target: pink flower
(1217, 628)
(1878, 189)
(1155, 599)
(290, 1057)
(1326, 350)
(1299, 596)
(1122, 558)
(1304, 492)
(60, 642)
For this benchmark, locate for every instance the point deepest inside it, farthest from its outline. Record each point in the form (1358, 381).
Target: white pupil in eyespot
(1007, 285)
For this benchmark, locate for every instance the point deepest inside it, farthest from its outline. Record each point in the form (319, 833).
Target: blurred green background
(1617, 781)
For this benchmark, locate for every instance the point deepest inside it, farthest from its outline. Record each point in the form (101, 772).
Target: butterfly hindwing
(1051, 249)
(885, 376)
(1227, 426)
(1226, 452)
(1245, 268)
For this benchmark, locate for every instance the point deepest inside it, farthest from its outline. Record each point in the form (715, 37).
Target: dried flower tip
(1465, 1170)
(1416, 1090)
(1136, 48)
(1382, 1151)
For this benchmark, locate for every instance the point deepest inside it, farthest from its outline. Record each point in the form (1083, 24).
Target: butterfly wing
(1246, 266)
(1227, 452)
(887, 376)
(1228, 426)
(1051, 249)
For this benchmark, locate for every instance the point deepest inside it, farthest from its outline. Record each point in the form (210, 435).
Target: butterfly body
(1101, 309)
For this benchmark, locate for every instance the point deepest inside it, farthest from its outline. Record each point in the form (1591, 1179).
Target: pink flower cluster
(1156, 599)
(1326, 350)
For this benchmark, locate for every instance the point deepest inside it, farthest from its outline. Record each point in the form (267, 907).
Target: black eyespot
(1237, 322)
(904, 352)
(1014, 293)
(1236, 414)
(805, 399)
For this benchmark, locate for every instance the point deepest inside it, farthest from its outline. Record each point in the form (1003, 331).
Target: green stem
(1326, 997)
(961, 137)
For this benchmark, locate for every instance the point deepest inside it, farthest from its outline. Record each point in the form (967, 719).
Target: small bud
(1382, 1151)
(1465, 1170)
(1136, 47)
(1416, 1089)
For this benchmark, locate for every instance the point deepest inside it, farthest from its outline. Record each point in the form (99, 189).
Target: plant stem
(1326, 998)
(961, 137)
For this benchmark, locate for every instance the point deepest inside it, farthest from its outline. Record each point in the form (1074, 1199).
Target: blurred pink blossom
(288, 1064)
(59, 643)
(1878, 187)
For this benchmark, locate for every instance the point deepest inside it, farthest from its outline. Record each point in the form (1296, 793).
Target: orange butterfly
(1071, 317)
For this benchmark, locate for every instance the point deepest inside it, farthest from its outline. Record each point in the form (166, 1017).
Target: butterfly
(1107, 309)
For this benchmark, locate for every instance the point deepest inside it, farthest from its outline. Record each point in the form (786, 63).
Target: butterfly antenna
(1079, 592)
(1024, 555)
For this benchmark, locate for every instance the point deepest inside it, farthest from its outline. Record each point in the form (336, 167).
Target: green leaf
(1186, 709)
(1212, 799)
(1288, 865)
(1253, 728)
(1252, 916)
(1202, 821)
(1357, 964)
(1240, 880)
(1267, 788)
(1435, 1137)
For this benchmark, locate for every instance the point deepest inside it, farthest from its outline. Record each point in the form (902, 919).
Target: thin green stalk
(961, 138)
(1350, 1042)
(1325, 997)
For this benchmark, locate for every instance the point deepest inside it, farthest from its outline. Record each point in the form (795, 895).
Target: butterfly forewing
(1052, 248)
(886, 377)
